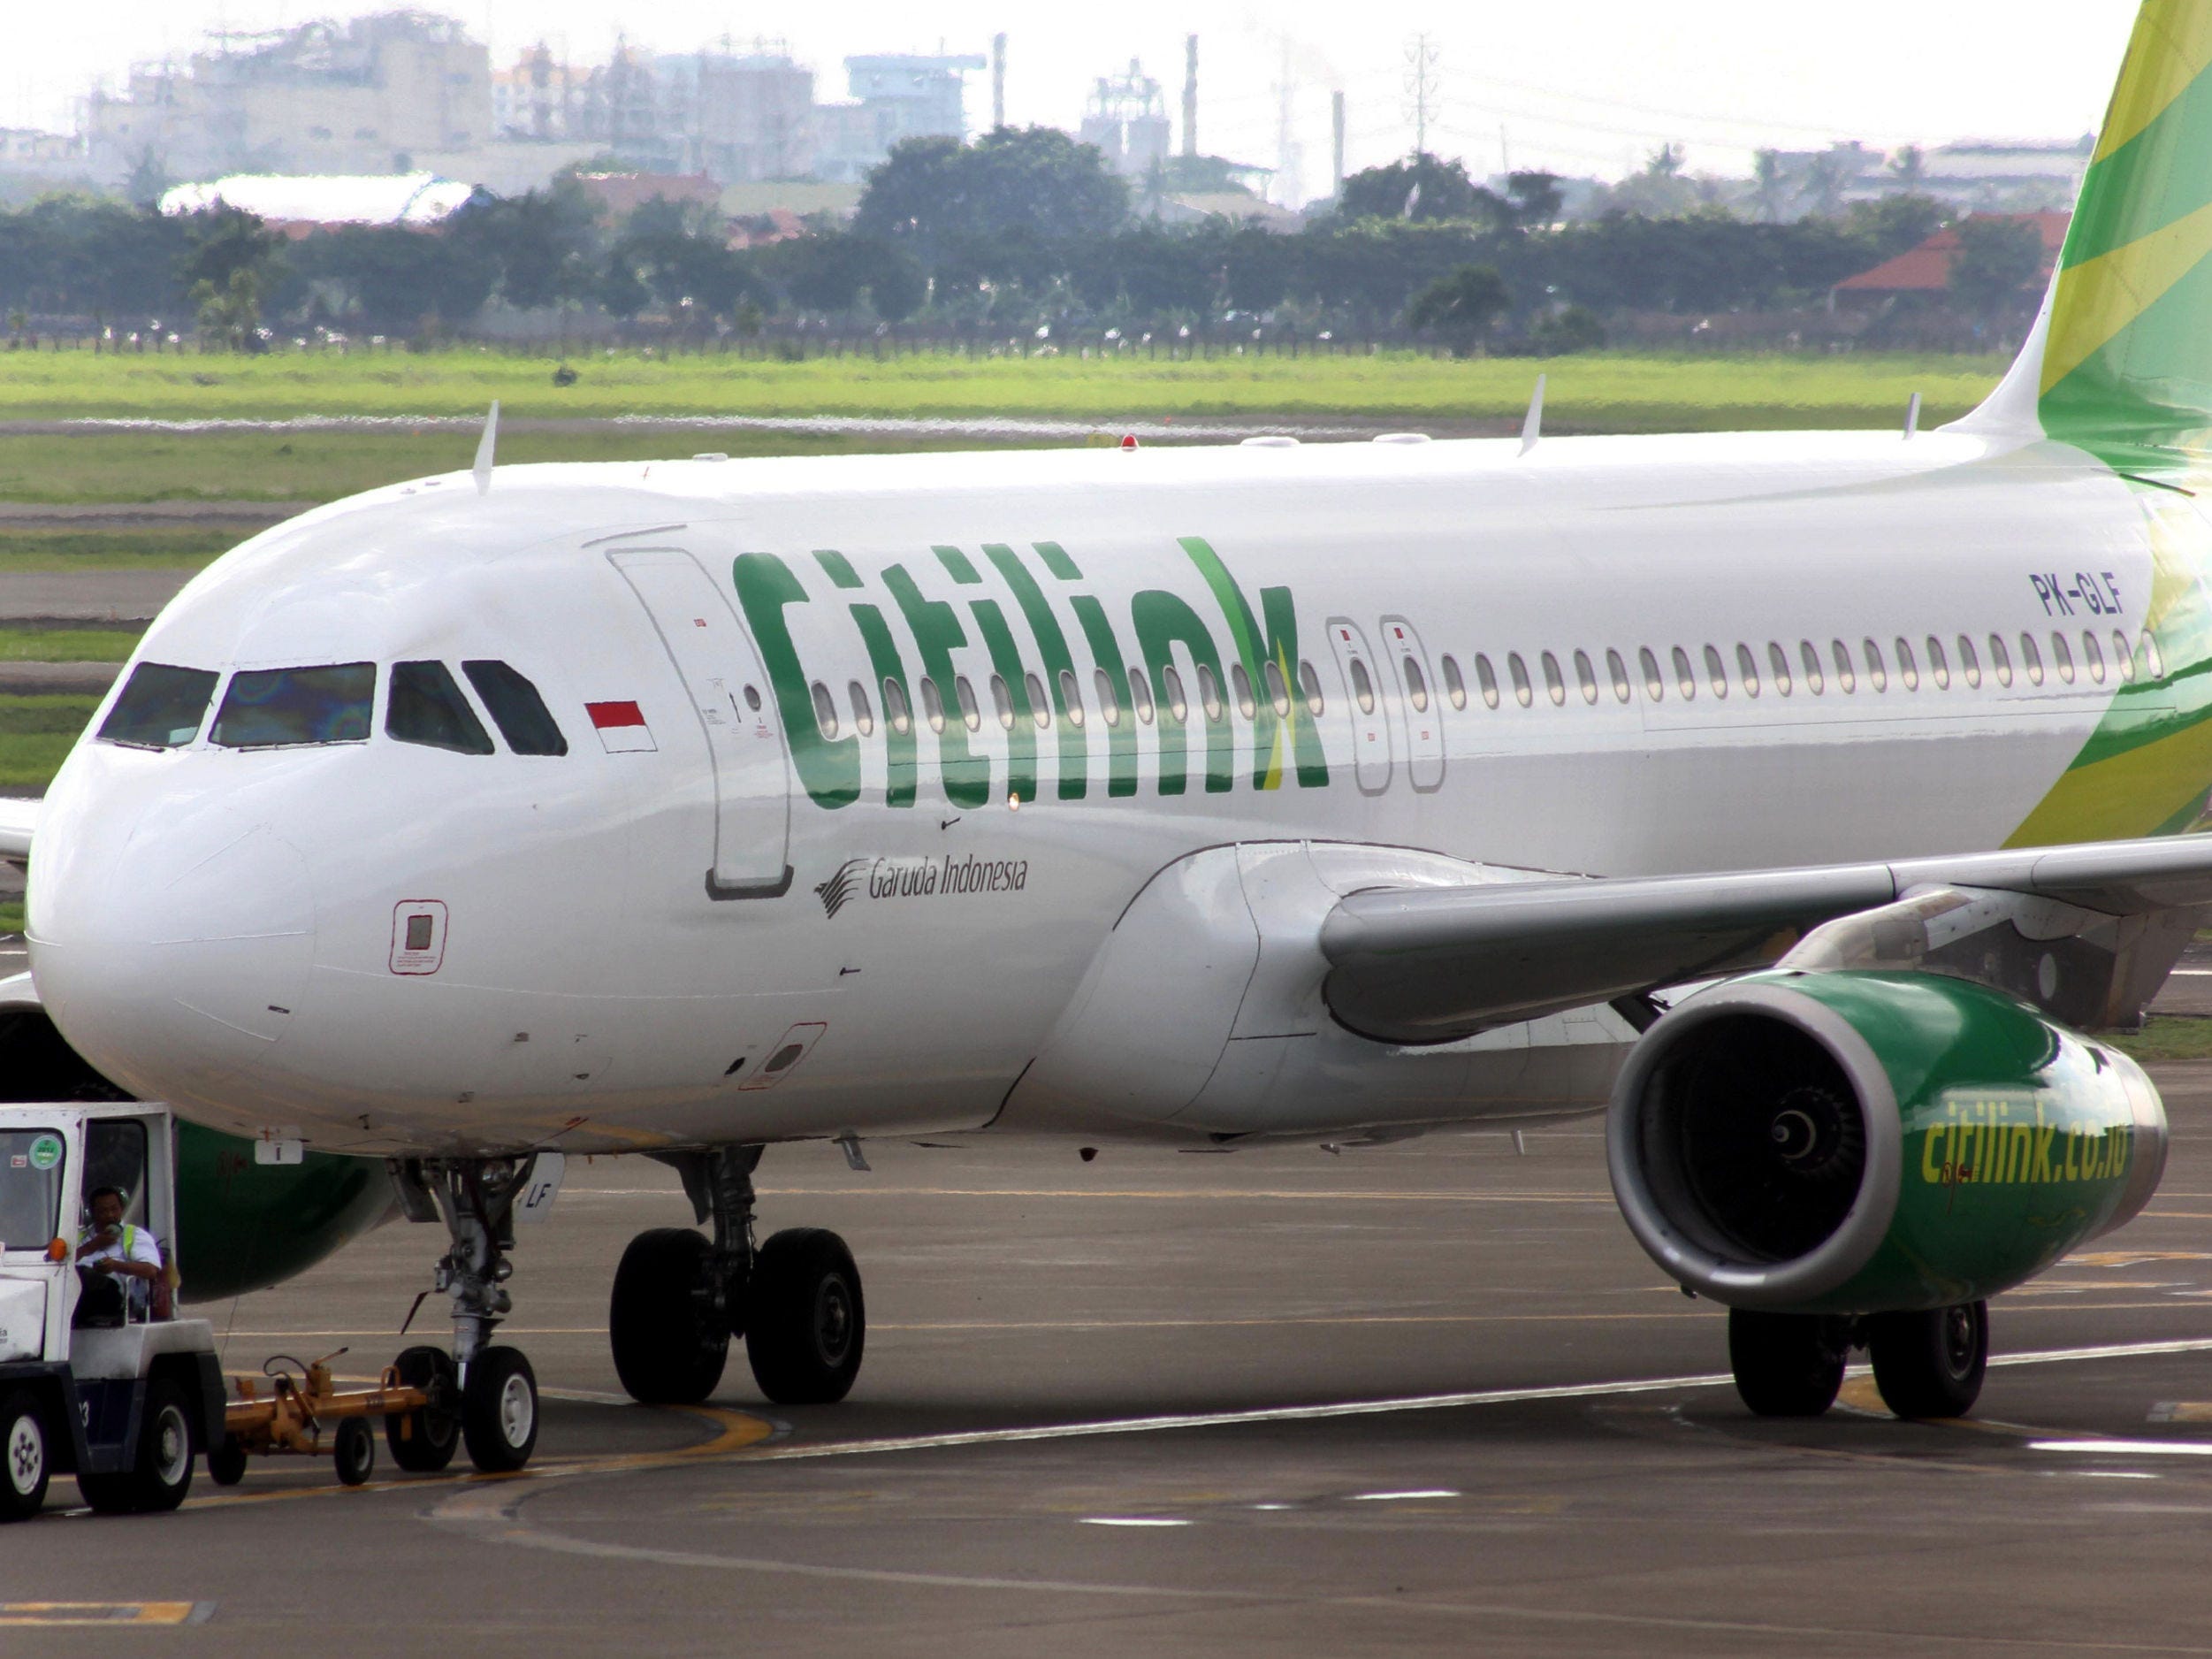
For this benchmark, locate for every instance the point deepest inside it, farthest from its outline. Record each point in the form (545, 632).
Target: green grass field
(36, 735)
(24, 551)
(1606, 391)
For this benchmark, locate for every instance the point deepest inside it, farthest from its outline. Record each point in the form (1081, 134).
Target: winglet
(1532, 428)
(485, 445)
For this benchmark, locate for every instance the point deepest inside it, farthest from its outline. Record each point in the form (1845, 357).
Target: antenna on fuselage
(485, 445)
(1532, 428)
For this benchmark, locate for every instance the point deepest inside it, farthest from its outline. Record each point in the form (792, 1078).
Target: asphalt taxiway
(1407, 1399)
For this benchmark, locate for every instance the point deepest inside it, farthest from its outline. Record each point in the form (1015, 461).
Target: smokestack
(1190, 96)
(998, 82)
(1336, 142)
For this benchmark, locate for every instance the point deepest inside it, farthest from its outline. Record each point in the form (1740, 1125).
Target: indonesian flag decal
(621, 727)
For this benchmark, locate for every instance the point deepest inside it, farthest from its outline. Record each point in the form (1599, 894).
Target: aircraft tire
(423, 1442)
(499, 1410)
(806, 1322)
(24, 1464)
(1930, 1365)
(1786, 1365)
(669, 1344)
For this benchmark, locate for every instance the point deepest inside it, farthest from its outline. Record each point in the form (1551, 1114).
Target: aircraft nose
(180, 958)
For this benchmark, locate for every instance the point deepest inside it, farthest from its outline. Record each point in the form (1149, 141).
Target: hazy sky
(1578, 86)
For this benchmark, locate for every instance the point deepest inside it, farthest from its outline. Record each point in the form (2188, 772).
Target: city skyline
(1721, 77)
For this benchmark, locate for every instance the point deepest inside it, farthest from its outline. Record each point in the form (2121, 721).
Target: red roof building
(1926, 269)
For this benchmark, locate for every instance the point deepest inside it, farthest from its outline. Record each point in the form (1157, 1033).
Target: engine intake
(1862, 1143)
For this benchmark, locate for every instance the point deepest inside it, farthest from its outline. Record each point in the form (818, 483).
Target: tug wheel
(423, 1442)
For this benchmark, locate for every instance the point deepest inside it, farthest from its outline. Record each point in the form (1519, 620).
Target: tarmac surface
(1412, 1399)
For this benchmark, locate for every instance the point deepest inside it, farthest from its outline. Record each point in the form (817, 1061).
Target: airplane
(1811, 804)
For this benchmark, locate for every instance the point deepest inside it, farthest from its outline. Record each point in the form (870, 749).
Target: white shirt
(132, 1244)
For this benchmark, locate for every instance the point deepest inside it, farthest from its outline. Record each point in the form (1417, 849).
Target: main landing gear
(1927, 1365)
(679, 1298)
(483, 1395)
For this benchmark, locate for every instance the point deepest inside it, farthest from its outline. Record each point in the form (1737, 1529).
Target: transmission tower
(1421, 88)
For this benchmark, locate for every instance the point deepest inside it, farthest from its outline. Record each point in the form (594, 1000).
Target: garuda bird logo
(838, 888)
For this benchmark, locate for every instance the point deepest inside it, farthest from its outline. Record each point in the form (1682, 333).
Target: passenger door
(1417, 699)
(1363, 700)
(729, 691)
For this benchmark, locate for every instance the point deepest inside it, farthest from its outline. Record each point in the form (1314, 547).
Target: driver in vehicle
(112, 1251)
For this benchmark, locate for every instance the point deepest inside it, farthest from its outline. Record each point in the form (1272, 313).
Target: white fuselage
(612, 933)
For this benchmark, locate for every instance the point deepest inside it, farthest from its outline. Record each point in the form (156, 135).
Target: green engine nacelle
(243, 1226)
(1865, 1142)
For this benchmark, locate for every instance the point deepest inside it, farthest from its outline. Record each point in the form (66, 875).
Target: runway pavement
(1414, 1399)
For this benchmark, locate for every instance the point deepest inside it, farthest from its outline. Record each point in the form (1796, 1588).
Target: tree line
(1016, 232)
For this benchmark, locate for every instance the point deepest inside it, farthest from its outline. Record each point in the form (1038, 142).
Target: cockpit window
(161, 708)
(267, 708)
(521, 713)
(426, 707)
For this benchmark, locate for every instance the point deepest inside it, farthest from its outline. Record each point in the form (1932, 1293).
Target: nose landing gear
(679, 1299)
(490, 1389)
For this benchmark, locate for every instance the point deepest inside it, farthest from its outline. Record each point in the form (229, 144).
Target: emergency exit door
(729, 692)
(1363, 702)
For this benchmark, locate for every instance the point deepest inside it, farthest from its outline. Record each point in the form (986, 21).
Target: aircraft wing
(17, 819)
(2088, 932)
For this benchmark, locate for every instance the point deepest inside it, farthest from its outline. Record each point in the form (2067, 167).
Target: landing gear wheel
(423, 1442)
(804, 1321)
(1786, 1365)
(670, 1336)
(226, 1462)
(162, 1476)
(355, 1451)
(1930, 1365)
(499, 1410)
(24, 1467)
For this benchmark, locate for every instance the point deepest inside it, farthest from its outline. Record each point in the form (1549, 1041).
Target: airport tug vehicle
(100, 1385)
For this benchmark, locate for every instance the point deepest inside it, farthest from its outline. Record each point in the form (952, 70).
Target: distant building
(619, 195)
(297, 205)
(894, 98)
(1924, 272)
(2016, 177)
(1126, 119)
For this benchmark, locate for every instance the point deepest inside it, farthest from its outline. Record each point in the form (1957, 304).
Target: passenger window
(933, 704)
(2031, 659)
(1417, 688)
(1241, 682)
(1071, 695)
(1908, 671)
(1140, 695)
(1178, 706)
(1003, 701)
(521, 714)
(1685, 681)
(1487, 678)
(426, 707)
(895, 708)
(1877, 675)
(161, 708)
(1747, 668)
(1845, 681)
(1654, 682)
(1938, 667)
(1778, 659)
(1969, 664)
(1586, 677)
(863, 716)
(1279, 692)
(1109, 703)
(971, 714)
(1310, 682)
(824, 710)
(1716, 672)
(1809, 660)
(2154, 661)
(1454, 687)
(1619, 670)
(1521, 692)
(2122, 657)
(2093, 654)
(1362, 687)
(1210, 694)
(276, 708)
(1554, 686)
(1041, 705)
(2000, 660)
(2063, 658)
